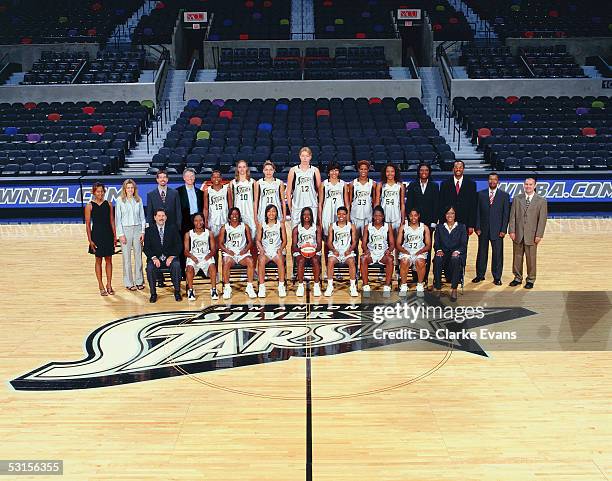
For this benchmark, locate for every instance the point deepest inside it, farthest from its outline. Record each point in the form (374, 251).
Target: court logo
(160, 345)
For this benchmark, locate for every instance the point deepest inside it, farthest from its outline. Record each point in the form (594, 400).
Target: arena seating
(491, 61)
(68, 138)
(554, 19)
(242, 64)
(215, 134)
(42, 21)
(551, 62)
(539, 133)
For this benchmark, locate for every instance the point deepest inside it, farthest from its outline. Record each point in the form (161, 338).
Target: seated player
(199, 246)
(413, 244)
(306, 233)
(378, 245)
(271, 242)
(341, 243)
(236, 243)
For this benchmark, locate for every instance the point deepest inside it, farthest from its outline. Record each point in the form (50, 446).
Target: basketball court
(536, 407)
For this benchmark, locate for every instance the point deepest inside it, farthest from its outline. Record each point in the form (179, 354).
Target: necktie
(163, 196)
(491, 197)
(457, 187)
(161, 234)
(528, 201)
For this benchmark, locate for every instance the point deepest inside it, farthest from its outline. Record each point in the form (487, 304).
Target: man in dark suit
(492, 217)
(526, 229)
(162, 246)
(164, 197)
(423, 194)
(460, 192)
(191, 199)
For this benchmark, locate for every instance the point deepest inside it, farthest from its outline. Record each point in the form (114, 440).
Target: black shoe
(160, 283)
(453, 297)
(528, 285)
(177, 296)
(477, 279)
(153, 298)
(515, 283)
(497, 282)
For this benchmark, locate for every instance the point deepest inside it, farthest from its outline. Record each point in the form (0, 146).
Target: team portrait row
(361, 225)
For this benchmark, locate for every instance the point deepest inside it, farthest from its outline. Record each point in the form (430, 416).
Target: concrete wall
(77, 92)
(581, 48)
(303, 89)
(528, 87)
(26, 55)
(393, 47)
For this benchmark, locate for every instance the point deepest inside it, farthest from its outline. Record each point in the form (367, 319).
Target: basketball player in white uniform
(244, 193)
(413, 243)
(332, 194)
(271, 192)
(199, 245)
(341, 244)
(391, 195)
(378, 244)
(271, 242)
(361, 192)
(236, 243)
(302, 187)
(217, 198)
(307, 232)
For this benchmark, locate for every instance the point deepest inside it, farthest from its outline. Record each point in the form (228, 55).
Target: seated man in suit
(162, 246)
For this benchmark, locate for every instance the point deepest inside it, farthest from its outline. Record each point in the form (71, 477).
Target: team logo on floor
(153, 346)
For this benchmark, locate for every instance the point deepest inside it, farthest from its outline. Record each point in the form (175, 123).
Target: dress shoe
(477, 279)
(153, 298)
(160, 283)
(453, 296)
(177, 296)
(497, 282)
(515, 283)
(528, 285)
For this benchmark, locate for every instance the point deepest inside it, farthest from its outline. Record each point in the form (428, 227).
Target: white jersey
(333, 197)
(414, 239)
(390, 202)
(200, 243)
(306, 236)
(269, 194)
(342, 237)
(378, 241)
(244, 198)
(271, 238)
(361, 207)
(217, 208)
(235, 237)
(304, 194)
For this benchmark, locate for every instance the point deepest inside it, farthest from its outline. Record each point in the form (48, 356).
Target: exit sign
(409, 14)
(195, 17)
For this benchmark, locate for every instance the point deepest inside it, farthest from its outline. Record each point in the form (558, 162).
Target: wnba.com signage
(75, 194)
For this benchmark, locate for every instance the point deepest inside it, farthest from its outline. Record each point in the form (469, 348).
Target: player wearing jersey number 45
(271, 243)
(199, 247)
(341, 245)
(413, 243)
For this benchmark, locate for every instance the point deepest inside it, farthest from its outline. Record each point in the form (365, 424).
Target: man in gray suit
(164, 197)
(493, 210)
(526, 229)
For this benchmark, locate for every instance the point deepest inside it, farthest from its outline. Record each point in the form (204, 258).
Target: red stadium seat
(226, 114)
(195, 121)
(29, 105)
(88, 109)
(374, 100)
(322, 113)
(512, 99)
(589, 132)
(483, 133)
(54, 117)
(98, 129)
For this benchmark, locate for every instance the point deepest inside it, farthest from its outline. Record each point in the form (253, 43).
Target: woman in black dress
(100, 224)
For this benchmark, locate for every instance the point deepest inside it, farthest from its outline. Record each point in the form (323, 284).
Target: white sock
(330, 283)
(249, 284)
(281, 284)
(353, 281)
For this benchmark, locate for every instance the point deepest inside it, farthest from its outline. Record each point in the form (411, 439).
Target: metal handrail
(76, 76)
(193, 69)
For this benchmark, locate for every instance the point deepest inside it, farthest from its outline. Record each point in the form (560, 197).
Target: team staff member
(166, 198)
(423, 194)
(459, 191)
(192, 200)
(450, 248)
(303, 187)
(492, 217)
(526, 229)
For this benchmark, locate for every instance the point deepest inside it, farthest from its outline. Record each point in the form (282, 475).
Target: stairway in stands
(431, 82)
(139, 160)
(121, 37)
(479, 25)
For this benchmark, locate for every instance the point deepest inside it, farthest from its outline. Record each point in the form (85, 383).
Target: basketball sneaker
(227, 291)
(191, 295)
(316, 289)
(213, 294)
(366, 288)
(282, 292)
(386, 288)
(262, 291)
(299, 292)
(353, 290)
(403, 290)
(420, 290)
(330, 289)
(250, 291)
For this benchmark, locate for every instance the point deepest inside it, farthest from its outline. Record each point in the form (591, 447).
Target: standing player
(199, 247)
(413, 243)
(302, 187)
(341, 244)
(390, 195)
(378, 244)
(271, 242)
(307, 233)
(271, 192)
(245, 193)
(333, 193)
(217, 199)
(236, 243)
(361, 191)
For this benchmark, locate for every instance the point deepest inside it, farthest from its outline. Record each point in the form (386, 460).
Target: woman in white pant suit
(130, 224)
